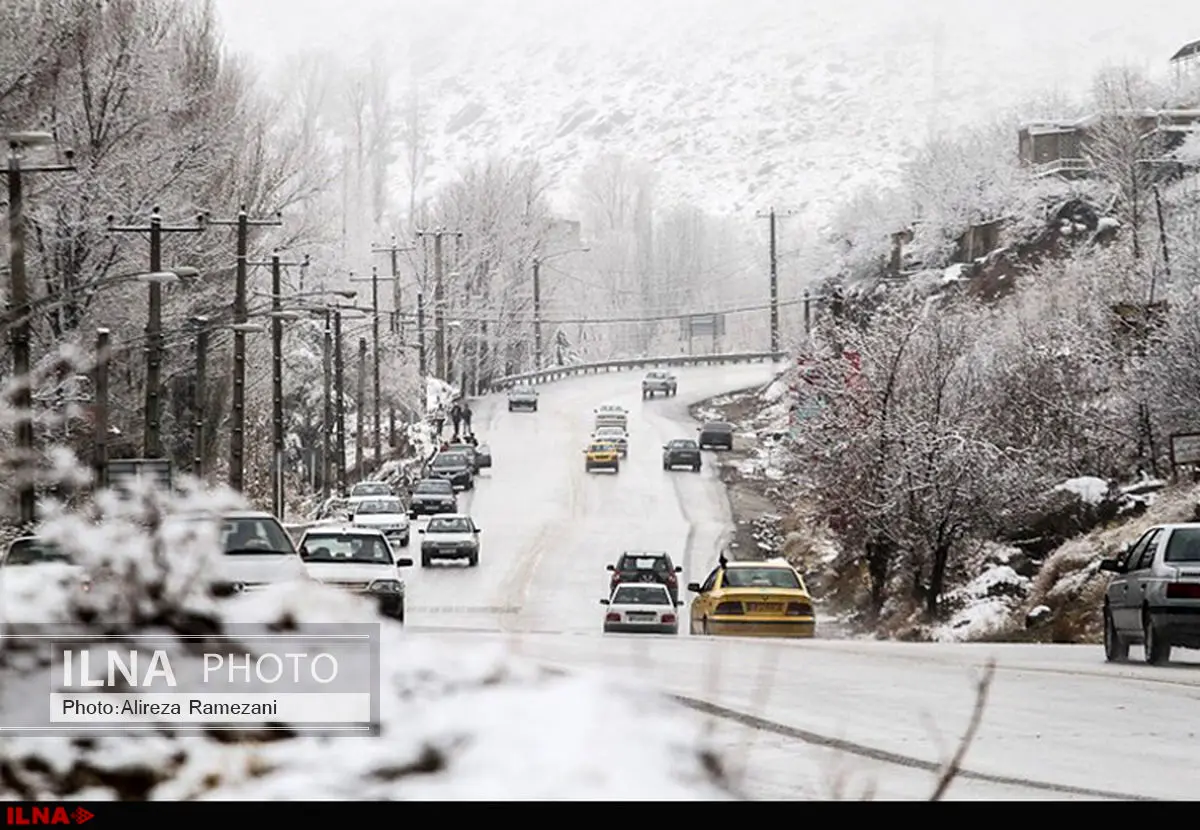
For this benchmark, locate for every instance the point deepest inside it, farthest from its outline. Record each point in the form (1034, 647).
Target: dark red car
(646, 566)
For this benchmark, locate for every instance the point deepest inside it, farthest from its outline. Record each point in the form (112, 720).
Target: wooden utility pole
(771, 216)
(100, 413)
(237, 439)
(198, 396)
(339, 386)
(396, 325)
(439, 297)
(360, 405)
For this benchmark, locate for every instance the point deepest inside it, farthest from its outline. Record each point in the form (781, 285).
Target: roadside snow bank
(458, 721)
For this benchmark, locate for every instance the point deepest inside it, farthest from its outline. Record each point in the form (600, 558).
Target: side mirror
(404, 563)
(678, 603)
(604, 602)
(477, 529)
(420, 530)
(1111, 565)
(665, 447)
(303, 553)
(610, 567)
(694, 587)
(679, 569)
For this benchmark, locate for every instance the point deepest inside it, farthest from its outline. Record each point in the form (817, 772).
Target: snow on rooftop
(1089, 489)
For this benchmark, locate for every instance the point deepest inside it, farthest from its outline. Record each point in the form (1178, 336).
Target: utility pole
(339, 384)
(152, 426)
(396, 327)
(277, 431)
(439, 298)
(237, 439)
(360, 405)
(327, 415)
(198, 396)
(18, 298)
(100, 413)
(374, 280)
(537, 313)
(770, 216)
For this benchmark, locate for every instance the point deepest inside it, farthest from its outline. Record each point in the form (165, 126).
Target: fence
(559, 372)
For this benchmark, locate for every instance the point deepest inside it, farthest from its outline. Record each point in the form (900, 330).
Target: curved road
(816, 719)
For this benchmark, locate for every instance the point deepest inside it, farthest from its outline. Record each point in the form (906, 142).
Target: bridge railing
(559, 372)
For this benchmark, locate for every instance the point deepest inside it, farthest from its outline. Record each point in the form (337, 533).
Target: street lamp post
(157, 277)
(18, 299)
(537, 299)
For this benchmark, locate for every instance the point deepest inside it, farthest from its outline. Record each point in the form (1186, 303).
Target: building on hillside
(1186, 62)
(1061, 148)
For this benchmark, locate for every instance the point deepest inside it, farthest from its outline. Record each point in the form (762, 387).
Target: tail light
(729, 608)
(612, 616)
(799, 609)
(668, 618)
(1183, 590)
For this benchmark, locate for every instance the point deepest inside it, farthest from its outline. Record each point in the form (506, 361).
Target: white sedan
(387, 514)
(359, 560)
(612, 415)
(450, 536)
(613, 435)
(641, 607)
(36, 579)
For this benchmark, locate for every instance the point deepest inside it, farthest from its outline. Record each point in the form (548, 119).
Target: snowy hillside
(739, 104)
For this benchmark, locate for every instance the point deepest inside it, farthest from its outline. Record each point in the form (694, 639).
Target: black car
(681, 452)
(480, 455)
(646, 566)
(432, 495)
(522, 397)
(455, 467)
(716, 434)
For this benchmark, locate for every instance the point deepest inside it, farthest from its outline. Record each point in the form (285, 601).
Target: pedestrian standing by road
(466, 419)
(439, 420)
(456, 418)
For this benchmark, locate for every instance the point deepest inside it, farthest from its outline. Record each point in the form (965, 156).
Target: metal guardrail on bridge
(560, 372)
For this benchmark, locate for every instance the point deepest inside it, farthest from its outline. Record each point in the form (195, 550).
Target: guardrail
(559, 372)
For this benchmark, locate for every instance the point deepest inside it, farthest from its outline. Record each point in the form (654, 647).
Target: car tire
(704, 627)
(510, 407)
(1158, 651)
(473, 560)
(666, 466)
(425, 561)
(404, 542)
(695, 468)
(1116, 649)
(534, 409)
(616, 468)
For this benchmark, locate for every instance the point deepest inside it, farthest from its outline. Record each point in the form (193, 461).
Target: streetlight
(18, 297)
(537, 299)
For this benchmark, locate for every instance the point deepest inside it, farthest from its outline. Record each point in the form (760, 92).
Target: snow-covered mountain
(738, 104)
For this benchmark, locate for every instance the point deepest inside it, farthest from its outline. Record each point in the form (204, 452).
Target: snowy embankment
(999, 591)
(470, 722)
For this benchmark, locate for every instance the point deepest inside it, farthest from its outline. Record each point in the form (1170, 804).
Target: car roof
(717, 424)
(344, 530)
(765, 563)
(440, 482)
(245, 514)
(452, 516)
(645, 553)
(652, 585)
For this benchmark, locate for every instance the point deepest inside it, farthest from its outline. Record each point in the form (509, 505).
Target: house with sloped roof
(1061, 148)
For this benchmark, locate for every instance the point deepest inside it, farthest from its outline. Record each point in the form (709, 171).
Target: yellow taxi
(601, 455)
(766, 599)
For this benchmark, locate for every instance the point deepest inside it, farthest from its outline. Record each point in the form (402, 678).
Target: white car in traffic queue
(617, 436)
(612, 415)
(387, 514)
(258, 553)
(450, 536)
(359, 560)
(36, 575)
(641, 608)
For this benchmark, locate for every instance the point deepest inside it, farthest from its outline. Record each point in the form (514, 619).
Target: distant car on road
(455, 467)
(641, 608)
(646, 566)
(367, 490)
(454, 536)
(659, 383)
(612, 415)
(601, 455)
(385, 514)
(356, 559)
(522, 397)
(1154, 596)
(613, 435)
(753, 598)
(471, 452)
(681, 452)
(715, 434)
(431, 496)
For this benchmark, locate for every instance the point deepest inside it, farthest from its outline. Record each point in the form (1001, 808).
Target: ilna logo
(46, 815)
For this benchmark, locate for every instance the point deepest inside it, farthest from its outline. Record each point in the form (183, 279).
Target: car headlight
(386, 586)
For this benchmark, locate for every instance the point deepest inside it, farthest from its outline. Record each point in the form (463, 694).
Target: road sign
(121, 473)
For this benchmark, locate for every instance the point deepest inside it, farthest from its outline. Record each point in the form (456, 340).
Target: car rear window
(644, 563)
(434, 485)
(1184, 545)
(761, 578)
(33, 552)
(641, 595)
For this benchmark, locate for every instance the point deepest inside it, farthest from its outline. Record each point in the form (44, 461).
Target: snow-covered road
(799, 719)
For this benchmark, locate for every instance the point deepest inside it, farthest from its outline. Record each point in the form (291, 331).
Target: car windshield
(437, 486)
(522, 390)
(463, 448)
(1184, 545)
(379, 506)
(718, 426)
(332, 547)
(253, 535)
(761, 578)
(641, 595)
(450, 459)
(34, 552)
(600, 447)
(370, 488)
(448, 524)
(644, 563)
(683, 444)
(611, 432)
